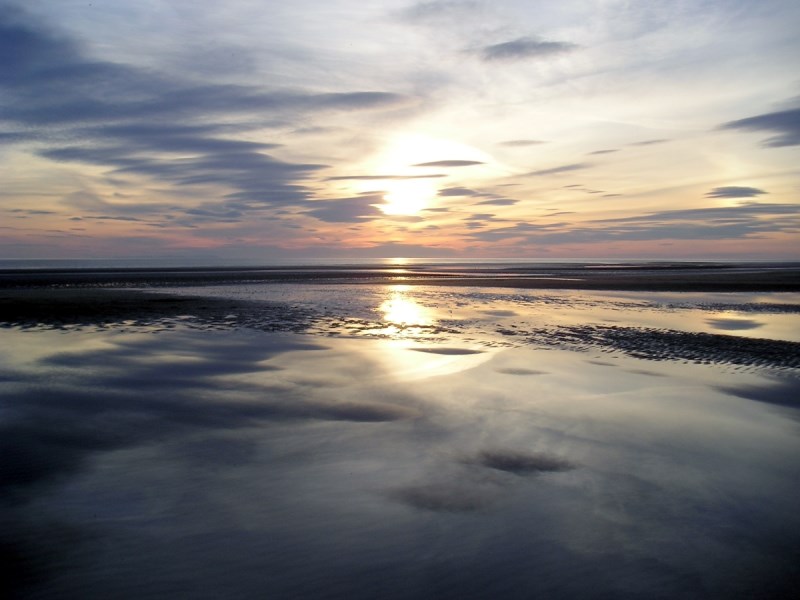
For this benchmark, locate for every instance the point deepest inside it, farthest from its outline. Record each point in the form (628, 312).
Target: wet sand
(131, 309)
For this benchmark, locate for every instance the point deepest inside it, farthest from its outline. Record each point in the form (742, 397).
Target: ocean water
(211, 262)
(390, 441)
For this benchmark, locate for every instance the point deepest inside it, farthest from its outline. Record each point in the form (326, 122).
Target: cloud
(743, 212)
(258, 177)
(449, 163)
(734, 192)
(458, 191)
(482, 217)
(498, 202)
(445, 9)
(492, 199)
(347, 210)
(786, 123)
(31, 212)
(561, 169)
(93, 206)
(718, 223)
(156, 125)
(378, 177)
(649, 142)
(608, 151)
(521, 143)
(525, 48)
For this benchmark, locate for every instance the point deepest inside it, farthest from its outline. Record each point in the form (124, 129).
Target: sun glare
(399, 309)
(410, 188)
(408, 197)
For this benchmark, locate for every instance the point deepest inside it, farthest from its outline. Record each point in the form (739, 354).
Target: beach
(413, 431)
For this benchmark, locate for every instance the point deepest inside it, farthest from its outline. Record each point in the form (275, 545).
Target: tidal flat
(387, 440)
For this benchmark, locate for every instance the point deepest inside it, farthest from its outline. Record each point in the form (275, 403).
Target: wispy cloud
(444, 9)
(525, 48)
(144, 123)
(649, 142)
(348, 210)
(561, 169)
(498, 202)
(521, 143)
(751, 219)
(734, 192)
(458, 191)
(786, 123)
(449, 163)
(378, 177)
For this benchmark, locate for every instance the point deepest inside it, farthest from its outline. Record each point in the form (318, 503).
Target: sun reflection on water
(400, 310)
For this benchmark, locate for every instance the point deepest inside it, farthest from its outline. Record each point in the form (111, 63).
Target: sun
(409, 188)
(407, 197)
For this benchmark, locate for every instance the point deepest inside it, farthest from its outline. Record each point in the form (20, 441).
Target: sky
(266, 130)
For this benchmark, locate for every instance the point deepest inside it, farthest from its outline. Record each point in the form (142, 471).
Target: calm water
(412, 443)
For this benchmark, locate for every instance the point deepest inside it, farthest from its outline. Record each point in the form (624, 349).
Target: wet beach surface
(391, 440)
(723, 277)
(731, 327)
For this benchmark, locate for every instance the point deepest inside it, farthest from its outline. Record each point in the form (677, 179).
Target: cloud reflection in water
(209, 461)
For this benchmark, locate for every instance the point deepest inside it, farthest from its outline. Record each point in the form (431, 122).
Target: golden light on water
(400, 310)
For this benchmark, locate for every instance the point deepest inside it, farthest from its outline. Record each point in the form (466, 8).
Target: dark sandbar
(698, 277)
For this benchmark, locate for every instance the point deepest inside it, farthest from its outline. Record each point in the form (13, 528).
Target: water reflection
(212, 462)
(407, 360)
(401, 310)
(734, 324)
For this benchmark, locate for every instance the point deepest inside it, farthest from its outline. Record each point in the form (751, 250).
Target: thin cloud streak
(560, 169)
(734, 192)
(449, 163)
(786, 123)
(378, 177)
(525, 48)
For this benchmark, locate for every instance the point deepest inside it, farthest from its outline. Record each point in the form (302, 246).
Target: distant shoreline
(651, 276)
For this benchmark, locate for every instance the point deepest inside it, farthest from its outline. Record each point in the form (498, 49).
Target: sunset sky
(258, 129)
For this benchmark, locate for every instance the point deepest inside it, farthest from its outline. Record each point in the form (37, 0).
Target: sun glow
(410, 188)
(399, 309)
(408, 197)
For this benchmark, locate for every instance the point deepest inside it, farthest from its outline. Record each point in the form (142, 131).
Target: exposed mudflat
(664, 276)
(572, 322)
